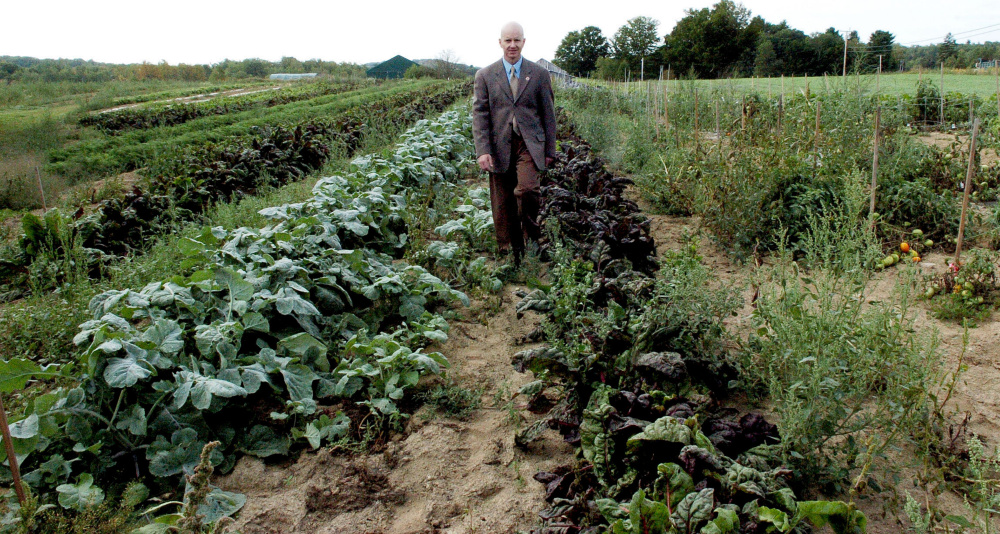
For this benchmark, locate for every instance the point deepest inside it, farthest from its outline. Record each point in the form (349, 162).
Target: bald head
(512, 28)
(512, 41)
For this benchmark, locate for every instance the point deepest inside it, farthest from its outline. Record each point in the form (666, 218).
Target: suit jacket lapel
(503, 81)
(524, 80)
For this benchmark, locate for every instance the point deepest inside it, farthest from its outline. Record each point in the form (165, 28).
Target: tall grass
(24, 140)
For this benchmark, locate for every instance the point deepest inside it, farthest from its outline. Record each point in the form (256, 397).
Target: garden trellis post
(968, 187)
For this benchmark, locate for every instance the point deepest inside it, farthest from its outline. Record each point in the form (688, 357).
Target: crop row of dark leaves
(596, 221)
(141, 118)
(270, 157)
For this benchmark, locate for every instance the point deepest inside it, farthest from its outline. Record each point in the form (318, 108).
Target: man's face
(512, 41)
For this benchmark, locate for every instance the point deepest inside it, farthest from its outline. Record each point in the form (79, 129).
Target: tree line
(725, 41)
(29, 69)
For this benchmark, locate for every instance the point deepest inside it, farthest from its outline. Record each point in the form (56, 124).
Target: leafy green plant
(256, 329)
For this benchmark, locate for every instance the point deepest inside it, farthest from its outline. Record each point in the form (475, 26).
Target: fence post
(968, 187)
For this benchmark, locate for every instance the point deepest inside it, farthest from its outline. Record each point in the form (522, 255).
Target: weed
(452, 400)
(823, 355)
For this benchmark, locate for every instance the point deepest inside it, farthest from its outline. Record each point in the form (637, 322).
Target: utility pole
(847, 34)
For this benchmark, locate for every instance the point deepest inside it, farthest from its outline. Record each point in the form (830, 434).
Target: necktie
(513, 91)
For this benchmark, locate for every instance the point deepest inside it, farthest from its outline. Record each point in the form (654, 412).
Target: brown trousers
(515, 197)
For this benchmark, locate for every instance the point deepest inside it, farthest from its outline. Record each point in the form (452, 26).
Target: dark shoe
(518, 256)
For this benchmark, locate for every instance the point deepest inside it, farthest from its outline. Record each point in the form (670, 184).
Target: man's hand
(548, 162)
(486, 162)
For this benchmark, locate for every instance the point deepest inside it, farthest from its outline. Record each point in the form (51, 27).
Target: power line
(953, 35)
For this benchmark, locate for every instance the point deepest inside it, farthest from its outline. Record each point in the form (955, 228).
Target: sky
(208, 31)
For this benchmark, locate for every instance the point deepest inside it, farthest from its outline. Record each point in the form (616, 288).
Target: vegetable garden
(689, 407)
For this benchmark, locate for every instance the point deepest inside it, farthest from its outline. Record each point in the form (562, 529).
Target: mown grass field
(890, 84)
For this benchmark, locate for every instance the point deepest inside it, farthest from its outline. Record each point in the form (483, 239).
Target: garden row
(270, 157)
(268, 340)
(765, 169)
(634, 366)
(849, 378)
(153, 116)
(131, 150)
(752, 165)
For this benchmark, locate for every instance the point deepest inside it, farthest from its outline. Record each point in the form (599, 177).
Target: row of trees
(724, 41)
(29, 69)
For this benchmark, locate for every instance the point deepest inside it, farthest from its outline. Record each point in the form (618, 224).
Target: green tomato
(959, 280)
(929, 243)
(918, 232)
(969, 286)
(966, 293)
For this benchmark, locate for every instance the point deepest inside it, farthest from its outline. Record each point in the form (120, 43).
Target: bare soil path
(440, 475)
(464, 476)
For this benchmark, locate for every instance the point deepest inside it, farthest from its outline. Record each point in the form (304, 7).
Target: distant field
(984, 84)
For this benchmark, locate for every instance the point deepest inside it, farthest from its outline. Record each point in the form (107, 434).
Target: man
(514, 126)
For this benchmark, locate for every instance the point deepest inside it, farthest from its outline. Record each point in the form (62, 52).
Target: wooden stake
(697, 141)
(968, 187)
(743, 115)
(41, 189)
(666, 107)
(781, 109)
(816, 140)
(15, 470)
(942, 93)
(998, 91)
(718, 131)
(878, 123)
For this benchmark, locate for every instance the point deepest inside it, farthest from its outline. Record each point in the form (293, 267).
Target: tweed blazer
(494, 108)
